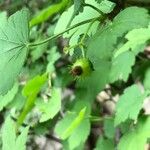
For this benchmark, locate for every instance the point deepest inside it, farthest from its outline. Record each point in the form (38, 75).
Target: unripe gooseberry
(81, 68)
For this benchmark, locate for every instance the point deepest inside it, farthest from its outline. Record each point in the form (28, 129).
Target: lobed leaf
(6, 99)
(30, 91)
(10, 140)
(136, 137)
(14, 36)
(52, 107)
(104, 144)
(135, 38)
(129, 104)
(121, 68)
(72, 126)
(88, 13)
(102, 43)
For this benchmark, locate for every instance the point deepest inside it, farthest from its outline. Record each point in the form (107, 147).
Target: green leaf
(99, 1)
(76, 142)
(52, 107)
(10, 140)
(97, 80)
(48, 12)
(75, 123)
(78, 6)
(135, 38)
(14, 36)
(18, 101)
(129, 104)
(38, 52)
(8, 135)
(131, 22)
(63, 21)
(140, 69)
(21, 140)
(146, 80)
(30, 91)
(104, 144)
(83, 130)
(101, 45)
(52, 57)
(81, 103)
(124, 127)
(74, 34)
(72, 126)
(121, 68)
(64, 123)
(106, 6)
(3, 16)
(136, 137)
(34, 85)
(109, 129)
(6, 99)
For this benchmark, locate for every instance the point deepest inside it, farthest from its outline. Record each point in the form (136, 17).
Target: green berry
(81, 68)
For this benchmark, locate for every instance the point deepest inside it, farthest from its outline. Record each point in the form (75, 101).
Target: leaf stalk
(66, 30)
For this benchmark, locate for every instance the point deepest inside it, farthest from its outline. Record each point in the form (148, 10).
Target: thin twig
(59, 34)
(93, 7)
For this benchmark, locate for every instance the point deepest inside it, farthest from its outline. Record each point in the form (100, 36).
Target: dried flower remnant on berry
(81, 68)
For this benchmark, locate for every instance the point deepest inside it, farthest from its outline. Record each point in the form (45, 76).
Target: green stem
(86, 5)
(59, 34)
(81, 43)
(98, 119)
(85, 34)
(93, 7)
(67, 49)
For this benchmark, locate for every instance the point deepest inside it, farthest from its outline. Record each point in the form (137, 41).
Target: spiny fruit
(81, 68)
